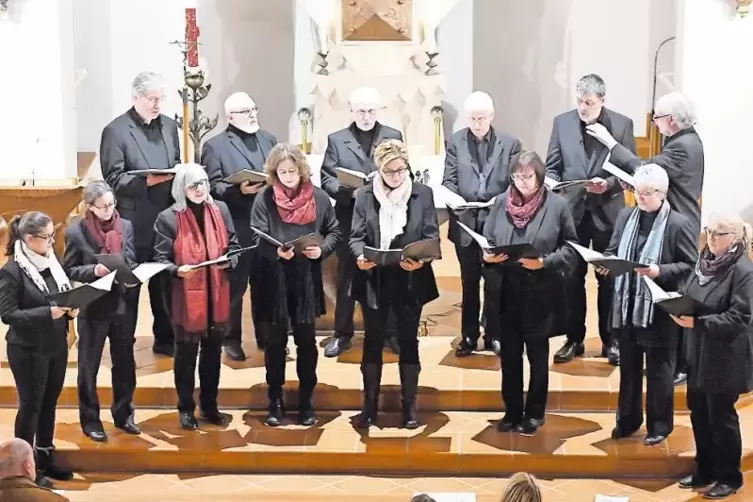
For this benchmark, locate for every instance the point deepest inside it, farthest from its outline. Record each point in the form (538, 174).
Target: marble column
(714, 69)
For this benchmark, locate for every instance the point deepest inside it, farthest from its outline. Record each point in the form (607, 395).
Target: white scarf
(32, 264)
(393, 210)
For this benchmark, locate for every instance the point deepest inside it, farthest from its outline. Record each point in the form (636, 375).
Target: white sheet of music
(619, 173)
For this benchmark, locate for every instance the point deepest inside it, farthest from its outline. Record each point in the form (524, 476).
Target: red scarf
(296, 206)
(522, 212)
(107, 235)
(189, 301)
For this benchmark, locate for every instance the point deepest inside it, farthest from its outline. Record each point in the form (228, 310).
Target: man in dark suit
(682, 158)
(351, 148)
(243, 145)
(574, 155)
(140, 139)
(477, 169)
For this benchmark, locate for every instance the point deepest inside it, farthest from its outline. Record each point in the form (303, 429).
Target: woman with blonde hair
(720, 353)
(522, 488)
(291, 280)
(391, 213)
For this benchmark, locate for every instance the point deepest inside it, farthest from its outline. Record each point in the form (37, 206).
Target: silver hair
(187, 175)
(94, 190)
(652, 176)
(145, 82)
(17, 452)
(479, 101)
(680, 107)
(591, 84)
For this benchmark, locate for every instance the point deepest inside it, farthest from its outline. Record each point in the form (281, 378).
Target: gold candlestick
(304, 117)
(436, 114)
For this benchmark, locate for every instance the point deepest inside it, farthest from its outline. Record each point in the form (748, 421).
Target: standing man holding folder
(139, 140)
(243, 145)
(351, 148)
(477, 169)
(575, 155)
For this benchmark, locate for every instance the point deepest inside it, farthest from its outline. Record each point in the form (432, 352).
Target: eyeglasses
(645, 193)
(523, 177)
(366, 113)
(394, 173)
(155, 99)
(111, 205)
(715, 234)
(657, 117)
(246, 111)
(46, 238)
(198, 184)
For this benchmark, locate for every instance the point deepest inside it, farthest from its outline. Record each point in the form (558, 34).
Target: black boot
(372, 378)
(306, 414)
(276, 412)
(46, 464)
(409, 389)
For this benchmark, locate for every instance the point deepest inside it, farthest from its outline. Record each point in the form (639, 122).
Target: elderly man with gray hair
(242, 146)
(139, 140)
(17, 474)
(681, 157)
(477, 169)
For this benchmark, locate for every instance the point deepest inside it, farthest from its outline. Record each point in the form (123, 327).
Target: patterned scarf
(296, 206)
(393, 209)
(32, 264)
(521, 212)
(108, 235)
(709, 265)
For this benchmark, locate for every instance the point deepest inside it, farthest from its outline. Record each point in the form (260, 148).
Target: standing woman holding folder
(193, 230)
(720, 353)
(392, 212)
(656, 235)
(532, 299)
(292, 291)
(37, 334)
(102, 231)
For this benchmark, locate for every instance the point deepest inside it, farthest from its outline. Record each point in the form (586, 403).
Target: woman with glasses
(392, 212)
(37, 334)
(531, 289)
(720, 353)
(193, 230)
(292, 290)
(102, 231)
(655, 235)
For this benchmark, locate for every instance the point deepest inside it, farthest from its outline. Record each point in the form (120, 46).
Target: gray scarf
(643, 307)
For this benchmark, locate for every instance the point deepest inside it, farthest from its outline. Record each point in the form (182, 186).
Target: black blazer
(537, 296)
(26, 311)
(566, 160)
(225, 155)
(682, 158)
(461, 176)
(422, 224)
(79, 264)
(122, 151)
(720, 346)
(678, 256)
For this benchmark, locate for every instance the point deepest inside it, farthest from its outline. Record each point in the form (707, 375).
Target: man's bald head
(17, 459)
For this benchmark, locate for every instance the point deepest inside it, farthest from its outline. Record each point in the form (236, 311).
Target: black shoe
(165, 349)
(719, 491)
(46, 464)
(465, 347)
(694, 481)
(306, 415)
(98, 436)
(393, 345)
(213, 417)
(653, 439)
(681, 378)
(42, 481)
(613, 354)
(235, 352)
(129, 427)
(337, 346)
(372, 378)
(619, 433)
(410, 419)
(409, 391)
(508, 425)
(529, 426)
(493, 346)
(276, 411)
(188, 422)
(569, 351)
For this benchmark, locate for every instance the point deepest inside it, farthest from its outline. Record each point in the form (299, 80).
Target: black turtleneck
(645, 223)
(365, 138)
(198, 212)
(251, 141)
(156, 151)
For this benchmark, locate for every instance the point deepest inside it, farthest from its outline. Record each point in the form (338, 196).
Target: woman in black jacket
(720, 353)
(530, 288)
(102, 231)
(392, 212)
(37, 333)
(292, 291)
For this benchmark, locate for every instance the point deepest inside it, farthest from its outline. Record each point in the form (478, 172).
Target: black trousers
(407, 314)
(91, 342)
(307, 357)
(39, 380)
(243, 278)
(682, 357)
(159, 301)
(716, 430)
(184, 368)
(589, 235)
(660, 364)
(537, 351)
(471, 266)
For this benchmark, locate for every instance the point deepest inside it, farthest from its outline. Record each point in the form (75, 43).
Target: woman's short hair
(286, 151)
(94, 190)
(187, 175)
(529, 159)
(522, 488)
(732, 223)
(651, 176)
(389, 150)
(29, 223)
